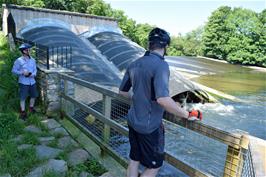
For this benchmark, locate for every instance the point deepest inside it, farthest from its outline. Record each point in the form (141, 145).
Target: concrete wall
(79, 22)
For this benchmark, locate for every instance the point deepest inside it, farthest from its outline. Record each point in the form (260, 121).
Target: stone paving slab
(77, 156)
(66, 142)
(59, 131)
(33, 129)
(24, 146)
(57, 166)
(45, 152)
(51, 123)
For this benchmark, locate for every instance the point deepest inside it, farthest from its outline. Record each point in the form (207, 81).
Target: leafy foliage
(236, 35)
(215, 34)
(9, 126)
(17, 163)
(8, 82)
(94, 167)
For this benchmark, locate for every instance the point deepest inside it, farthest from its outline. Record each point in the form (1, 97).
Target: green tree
(247, 38)
(215, 34)
(262, 17)
(192, 42)
(127, 25)
(99, 7)
(176, 47)
(142, 32)
(69, 5)
(31, 3)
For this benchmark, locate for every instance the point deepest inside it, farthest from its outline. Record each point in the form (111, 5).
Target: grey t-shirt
(149, 78)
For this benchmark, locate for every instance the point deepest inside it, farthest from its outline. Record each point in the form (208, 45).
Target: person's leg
(134, 155)
(23, 114)
(133, 168)
(22, 105)
(152, 150)
(33, 95)
(152, 172)
(32, 101)
(23, 93)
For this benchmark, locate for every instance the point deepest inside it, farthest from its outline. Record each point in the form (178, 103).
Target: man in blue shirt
(149, 78)
(25, 68)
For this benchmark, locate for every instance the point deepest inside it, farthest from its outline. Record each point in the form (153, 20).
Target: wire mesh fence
(104, 115)
(50, 56)
(248, 168)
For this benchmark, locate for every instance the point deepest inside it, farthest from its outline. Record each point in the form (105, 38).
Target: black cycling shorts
(148, 149)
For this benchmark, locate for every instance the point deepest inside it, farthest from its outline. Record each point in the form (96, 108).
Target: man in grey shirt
(149, 78)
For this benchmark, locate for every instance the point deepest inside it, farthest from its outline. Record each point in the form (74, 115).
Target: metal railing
(50, 56)
(192, 147)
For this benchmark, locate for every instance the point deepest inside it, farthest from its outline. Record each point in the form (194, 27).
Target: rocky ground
(57, 152)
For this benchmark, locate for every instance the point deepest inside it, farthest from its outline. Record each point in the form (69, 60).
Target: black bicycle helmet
(159, 36)
(24, 46)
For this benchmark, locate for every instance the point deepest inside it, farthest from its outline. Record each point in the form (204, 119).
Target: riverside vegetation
(236, 35)
(39, 145)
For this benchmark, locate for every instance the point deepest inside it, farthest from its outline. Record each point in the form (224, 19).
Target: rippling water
(231, 116)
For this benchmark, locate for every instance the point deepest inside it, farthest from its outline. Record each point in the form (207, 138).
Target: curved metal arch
(128, 51)
(112, 48)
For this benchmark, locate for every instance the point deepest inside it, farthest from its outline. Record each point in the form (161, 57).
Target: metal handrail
(237, 143)
(199, 127)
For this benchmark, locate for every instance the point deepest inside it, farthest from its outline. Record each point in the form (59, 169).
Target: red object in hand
(195, 113)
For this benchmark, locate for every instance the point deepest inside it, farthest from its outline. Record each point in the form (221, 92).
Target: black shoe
(32, 110)
(23, 115)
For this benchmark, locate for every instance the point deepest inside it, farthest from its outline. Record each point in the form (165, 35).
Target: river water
(244, 83)
(248, 116)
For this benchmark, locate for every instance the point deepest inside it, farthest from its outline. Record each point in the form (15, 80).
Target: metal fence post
(235, 157)
(107, 114)
(47, 58)
(69, 91)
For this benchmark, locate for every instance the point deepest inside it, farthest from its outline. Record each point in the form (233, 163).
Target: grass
(53, 143)
(51, 174)
(95, 167)
(62, 156)
(30, 138)
(17, 163)
(92, 166)
(9, 125)
(34, 119)
(9, 86)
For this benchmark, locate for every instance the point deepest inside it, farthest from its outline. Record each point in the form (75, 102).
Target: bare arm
(171, 106)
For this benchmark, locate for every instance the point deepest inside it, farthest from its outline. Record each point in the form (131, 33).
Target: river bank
(257, 68)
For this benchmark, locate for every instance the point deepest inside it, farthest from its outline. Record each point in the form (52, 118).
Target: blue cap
(24, 46)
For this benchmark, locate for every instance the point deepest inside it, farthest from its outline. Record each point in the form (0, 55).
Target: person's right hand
(195, 115)
(26, 73)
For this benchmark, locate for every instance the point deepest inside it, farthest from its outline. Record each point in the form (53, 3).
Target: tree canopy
(237, 35)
